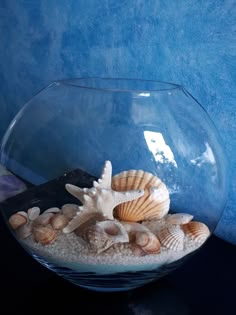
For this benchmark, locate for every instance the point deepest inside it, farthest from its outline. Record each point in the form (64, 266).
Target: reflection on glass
(161, 151)
(206, 157)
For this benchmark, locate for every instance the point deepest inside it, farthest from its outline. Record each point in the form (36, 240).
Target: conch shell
(154, 204)
(104, 234)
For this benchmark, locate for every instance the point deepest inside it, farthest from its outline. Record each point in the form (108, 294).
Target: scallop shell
(148, 242)
(59, 221)
(104, 234)
(172, 238)
(154, 204)
(18, 219)
(69, 210)
(179, 218)
(44, 235)
(196, 231)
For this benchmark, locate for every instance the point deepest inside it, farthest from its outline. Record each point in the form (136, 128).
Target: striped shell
(196, 231)
(148, 242)
(172, 238)
(18, 219)
(44, 235)
(154, 204)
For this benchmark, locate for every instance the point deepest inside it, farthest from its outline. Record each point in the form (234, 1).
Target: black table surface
(205, 284)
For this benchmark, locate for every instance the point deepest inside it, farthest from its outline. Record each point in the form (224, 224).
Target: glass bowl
(114, 232)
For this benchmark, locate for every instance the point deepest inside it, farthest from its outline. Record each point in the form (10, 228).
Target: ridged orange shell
(154, 204)
(17, 220)
(44, 235)
(148, 242)
(172, 238)
(196, 231)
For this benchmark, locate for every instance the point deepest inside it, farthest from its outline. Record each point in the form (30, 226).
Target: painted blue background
(189, 42)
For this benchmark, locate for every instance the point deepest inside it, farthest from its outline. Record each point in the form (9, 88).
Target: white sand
(69, 248)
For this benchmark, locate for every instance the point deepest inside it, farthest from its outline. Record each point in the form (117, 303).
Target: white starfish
(98, 199)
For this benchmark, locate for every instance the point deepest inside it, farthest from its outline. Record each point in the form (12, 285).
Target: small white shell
(172, 238)
(196, 231)
(33, 213)
(154, 204)
(179, 218)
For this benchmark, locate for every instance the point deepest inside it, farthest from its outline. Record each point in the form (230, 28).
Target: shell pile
(128, 211)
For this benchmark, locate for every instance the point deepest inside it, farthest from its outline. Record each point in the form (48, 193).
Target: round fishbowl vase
(125, 180)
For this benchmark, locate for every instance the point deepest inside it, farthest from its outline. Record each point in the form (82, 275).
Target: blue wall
(189, 42)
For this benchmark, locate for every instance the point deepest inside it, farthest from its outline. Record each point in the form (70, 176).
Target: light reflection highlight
(161, 151)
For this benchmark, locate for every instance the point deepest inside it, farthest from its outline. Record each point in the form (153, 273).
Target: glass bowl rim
(78, 82)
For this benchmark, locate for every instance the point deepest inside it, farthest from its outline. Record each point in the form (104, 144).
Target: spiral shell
(18, 219)
(196, 231)
(44, 235)
(104, 234)
(148, 242)
(172, 238)
(154, 204)
(59, 221)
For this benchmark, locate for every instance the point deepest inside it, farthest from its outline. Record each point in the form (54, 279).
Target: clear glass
(154, 126)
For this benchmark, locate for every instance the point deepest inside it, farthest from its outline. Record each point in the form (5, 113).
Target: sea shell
(172, 238)
(154, 204)
(24, 231)
(84, 221)
(69, 210)
(44, 235)
(33, 213)
(179, 218)
(43, 219)
(52, 210)
(59, 221)
(148, 242)
(104, 234)
(100, 198)
(196, 231)
(18, 219)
